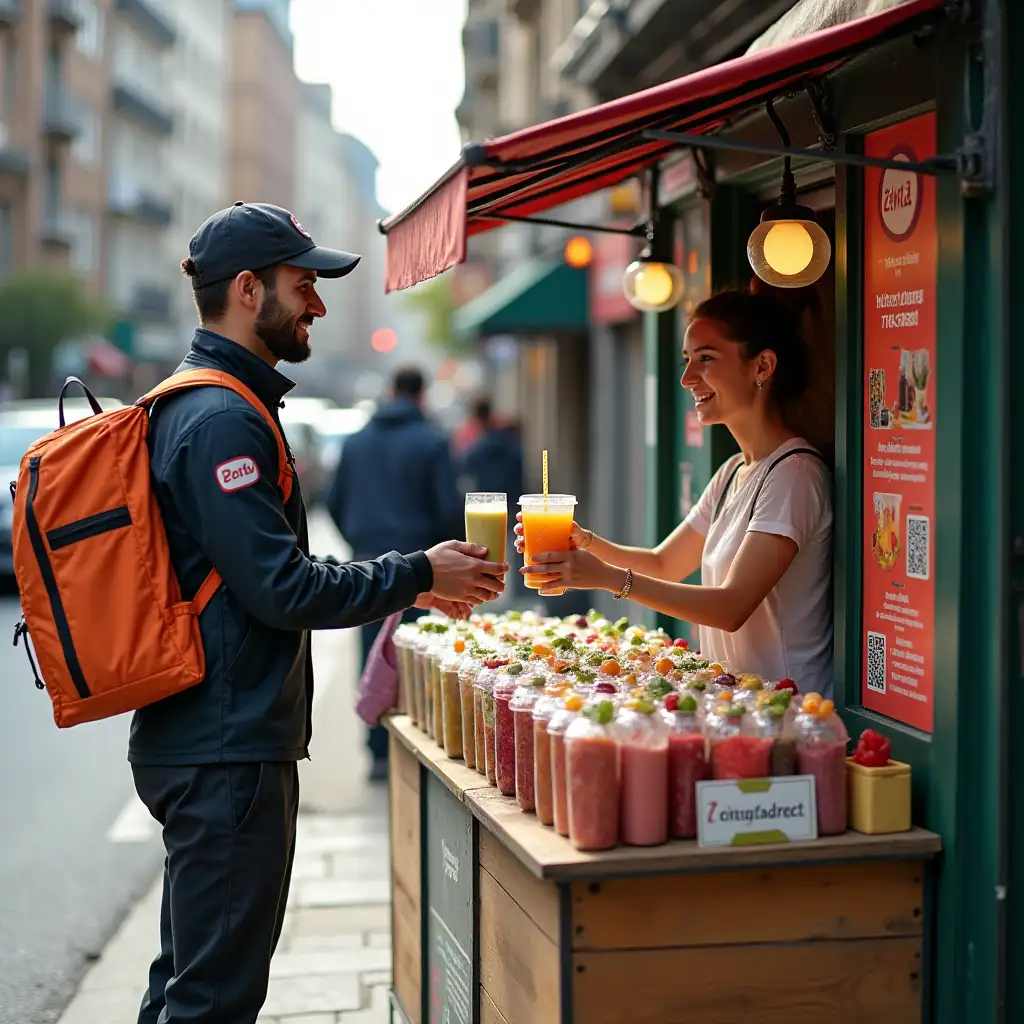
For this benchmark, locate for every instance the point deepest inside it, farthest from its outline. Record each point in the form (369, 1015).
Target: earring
(759, 383)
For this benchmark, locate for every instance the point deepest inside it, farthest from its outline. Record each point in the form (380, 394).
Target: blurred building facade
(125, 123)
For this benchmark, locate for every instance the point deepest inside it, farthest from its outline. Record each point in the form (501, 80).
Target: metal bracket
(821, 110)
(974, 161)
(704, 162)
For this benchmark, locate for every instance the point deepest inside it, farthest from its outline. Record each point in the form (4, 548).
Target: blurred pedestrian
(395, 488)
(216, 764)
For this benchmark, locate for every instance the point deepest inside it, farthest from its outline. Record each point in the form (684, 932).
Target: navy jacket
(255, 701)
(494, 462)
(395, 484)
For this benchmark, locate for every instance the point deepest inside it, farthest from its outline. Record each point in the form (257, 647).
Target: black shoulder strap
(725, 490)
(781, 458)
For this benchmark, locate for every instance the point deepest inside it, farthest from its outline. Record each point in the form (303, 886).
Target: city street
(65, 880)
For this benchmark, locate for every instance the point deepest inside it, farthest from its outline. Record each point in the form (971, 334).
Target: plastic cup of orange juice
(547, 526)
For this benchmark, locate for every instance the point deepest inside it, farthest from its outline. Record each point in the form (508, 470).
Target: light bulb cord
(788, 193)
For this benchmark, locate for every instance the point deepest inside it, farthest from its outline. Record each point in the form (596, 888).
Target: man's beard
(278, 330)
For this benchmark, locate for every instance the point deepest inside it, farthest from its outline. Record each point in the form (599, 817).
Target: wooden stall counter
(498, 920)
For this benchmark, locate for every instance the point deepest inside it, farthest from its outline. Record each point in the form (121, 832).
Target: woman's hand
(575, 570)
(451, 609)
(576, 536)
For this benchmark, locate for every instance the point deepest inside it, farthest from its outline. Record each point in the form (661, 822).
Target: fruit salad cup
(821, 740)
(643, 773)
(451, 700)
(736, 753)
(557, 728)
(470, 668)
(419, 680)
(522, 705)
(592, 778)
(405, 649)
(687, 763)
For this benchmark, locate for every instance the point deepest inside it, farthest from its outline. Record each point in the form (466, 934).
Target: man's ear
(247, 287)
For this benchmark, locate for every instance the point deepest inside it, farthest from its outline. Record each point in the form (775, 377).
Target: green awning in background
(543, 295)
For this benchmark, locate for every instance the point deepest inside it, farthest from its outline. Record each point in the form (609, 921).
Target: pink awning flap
(549, 164)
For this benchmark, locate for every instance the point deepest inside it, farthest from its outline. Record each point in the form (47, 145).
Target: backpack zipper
(60, 618)
(91, 526)
(21, 630)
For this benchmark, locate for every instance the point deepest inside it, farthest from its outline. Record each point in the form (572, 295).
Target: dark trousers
(377, 735)
(229, 833)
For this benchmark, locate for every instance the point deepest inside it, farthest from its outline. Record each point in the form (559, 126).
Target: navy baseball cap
(250, 236)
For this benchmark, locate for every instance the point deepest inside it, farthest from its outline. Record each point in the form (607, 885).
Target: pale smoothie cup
(487, 522)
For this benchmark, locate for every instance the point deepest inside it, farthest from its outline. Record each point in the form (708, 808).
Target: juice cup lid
(552, 499)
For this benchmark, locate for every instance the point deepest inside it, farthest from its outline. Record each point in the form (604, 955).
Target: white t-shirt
(789, 635)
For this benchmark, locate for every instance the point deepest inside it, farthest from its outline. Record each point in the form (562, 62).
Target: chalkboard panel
(448, 848)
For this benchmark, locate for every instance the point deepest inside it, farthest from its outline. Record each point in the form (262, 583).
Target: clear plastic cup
(547, 526)
(487, 522)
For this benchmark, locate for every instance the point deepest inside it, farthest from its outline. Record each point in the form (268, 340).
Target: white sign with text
(745, 812)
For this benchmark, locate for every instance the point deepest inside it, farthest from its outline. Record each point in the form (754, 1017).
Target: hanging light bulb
(651, 285)
(789, 248)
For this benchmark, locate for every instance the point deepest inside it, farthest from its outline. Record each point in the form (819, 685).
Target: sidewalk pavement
(333, 965)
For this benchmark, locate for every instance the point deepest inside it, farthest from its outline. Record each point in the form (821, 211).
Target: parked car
(22, 423)
(334, 426)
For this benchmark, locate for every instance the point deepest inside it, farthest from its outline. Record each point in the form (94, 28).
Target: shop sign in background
(449, 954)
(900, 276)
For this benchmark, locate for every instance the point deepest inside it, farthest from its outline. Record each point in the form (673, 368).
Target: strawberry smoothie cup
(557, 728)
(643, 773)
(821, 741)
(687, 764)
(504, 729)
(522, 705)
(592, 778)
(543, 711)
(735, 753)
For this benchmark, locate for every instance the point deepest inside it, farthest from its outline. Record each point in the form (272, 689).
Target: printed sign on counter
(900, 277)
(745, 812)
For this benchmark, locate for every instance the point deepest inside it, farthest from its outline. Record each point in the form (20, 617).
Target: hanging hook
(817, 93)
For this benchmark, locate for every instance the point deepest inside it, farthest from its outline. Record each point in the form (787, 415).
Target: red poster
(900, 265)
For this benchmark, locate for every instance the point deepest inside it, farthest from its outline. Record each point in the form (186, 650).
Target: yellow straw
(545, 477)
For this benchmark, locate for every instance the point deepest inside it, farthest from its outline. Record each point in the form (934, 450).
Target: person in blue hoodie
(395, 481)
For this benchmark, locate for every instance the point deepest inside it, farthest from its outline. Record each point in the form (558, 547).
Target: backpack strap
(221, 379)
(728, 484)
(781, 458)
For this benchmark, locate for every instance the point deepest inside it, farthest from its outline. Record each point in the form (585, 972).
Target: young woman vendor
(761, 532)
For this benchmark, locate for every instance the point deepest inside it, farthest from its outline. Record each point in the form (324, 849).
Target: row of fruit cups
(604, 730)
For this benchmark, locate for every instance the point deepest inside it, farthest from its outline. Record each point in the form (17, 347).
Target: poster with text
(900, 279)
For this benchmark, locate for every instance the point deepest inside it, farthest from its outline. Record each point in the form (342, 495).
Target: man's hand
(452, 609)
(461, 574)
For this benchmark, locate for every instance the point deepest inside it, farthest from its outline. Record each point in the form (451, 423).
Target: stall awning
(542, 295)
(550, 164)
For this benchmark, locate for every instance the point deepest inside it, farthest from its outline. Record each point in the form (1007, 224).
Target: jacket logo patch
(235, 474)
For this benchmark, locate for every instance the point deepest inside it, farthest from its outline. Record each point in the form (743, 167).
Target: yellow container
(879, 797)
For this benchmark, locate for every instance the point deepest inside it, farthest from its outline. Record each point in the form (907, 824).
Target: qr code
(918, 543)
(876, 662)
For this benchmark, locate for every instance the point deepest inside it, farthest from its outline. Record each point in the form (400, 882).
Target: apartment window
(6, 241)
(82, 228)
(51, 187)
(89, 37)
(10, 79)
(86, 147)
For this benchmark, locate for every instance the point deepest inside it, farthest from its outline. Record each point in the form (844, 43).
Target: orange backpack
(98, 593)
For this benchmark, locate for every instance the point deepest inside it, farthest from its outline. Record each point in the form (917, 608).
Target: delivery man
(216, 764)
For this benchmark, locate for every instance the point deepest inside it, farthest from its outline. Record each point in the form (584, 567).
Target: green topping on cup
(562, 643)
(781, 699)
(687, 705)
(699, 685)
(600, 713)
(598, 658)
(642, 706)
(776, 710)
(583, 675)
(538, 681)
(735, 711)
(514, 616)
(514, 669)
(658, 687)
(636, 641)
